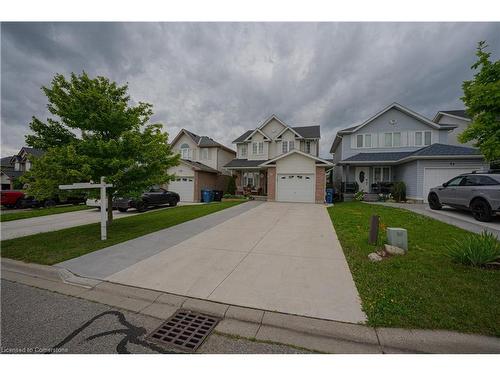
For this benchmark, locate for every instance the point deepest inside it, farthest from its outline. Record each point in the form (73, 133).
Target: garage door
(437, 176)
(295, 188)
(184, 186)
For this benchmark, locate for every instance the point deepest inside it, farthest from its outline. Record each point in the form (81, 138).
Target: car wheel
(141, 206)
(19, 204)
(49, 203)
(121, 209)
(434, 203)
(481, 210)
(173, 203)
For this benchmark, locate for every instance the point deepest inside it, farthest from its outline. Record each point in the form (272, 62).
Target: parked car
(477, 192)
(154, 197)
(11, 198)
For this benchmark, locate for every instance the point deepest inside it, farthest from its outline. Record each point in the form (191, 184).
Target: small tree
(114, 140)
(482, 102)
(231, 185)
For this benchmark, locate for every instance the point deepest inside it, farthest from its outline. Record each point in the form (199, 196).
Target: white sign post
(89, 185)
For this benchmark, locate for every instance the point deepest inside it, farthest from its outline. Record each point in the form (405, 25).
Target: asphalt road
(39, 321)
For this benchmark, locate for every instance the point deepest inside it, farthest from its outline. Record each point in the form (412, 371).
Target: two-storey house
(201, 166)
(15, 166)
(398, 144)
(280, 162)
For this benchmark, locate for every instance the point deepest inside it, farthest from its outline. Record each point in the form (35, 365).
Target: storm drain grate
(185, 329)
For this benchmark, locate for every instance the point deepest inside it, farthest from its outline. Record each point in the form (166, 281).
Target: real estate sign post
(90, 185)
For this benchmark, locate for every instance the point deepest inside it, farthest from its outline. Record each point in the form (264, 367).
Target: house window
(396, 139)
(254, 148)
(388, 139)
(287, 146)
(307, 147)
(427, 138)
(368, 140)
(261, 148)
(359, 141)
(381, 174)
(423, 138)
(243, 151)
(185, 151)
(258, 148)
(251, 179)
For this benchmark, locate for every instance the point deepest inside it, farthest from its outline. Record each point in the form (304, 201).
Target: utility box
(398, 237)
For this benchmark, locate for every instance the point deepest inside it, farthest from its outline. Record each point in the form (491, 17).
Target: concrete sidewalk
(461, 219)
(313, 334)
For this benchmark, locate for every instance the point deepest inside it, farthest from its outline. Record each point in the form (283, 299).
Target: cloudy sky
(220, 79)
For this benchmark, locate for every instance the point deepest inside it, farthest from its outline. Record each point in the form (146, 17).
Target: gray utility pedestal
(397, 237)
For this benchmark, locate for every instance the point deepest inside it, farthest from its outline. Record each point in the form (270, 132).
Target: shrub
(399, 191)
(232, 196)
(231, 185)
(475, 250)
(359, 196)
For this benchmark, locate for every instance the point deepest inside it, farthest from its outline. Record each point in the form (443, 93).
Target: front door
(362, 179)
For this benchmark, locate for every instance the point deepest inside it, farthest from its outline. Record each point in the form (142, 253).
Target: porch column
(347, 173)
(271, 184)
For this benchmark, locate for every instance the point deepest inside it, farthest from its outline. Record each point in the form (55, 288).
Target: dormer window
(243, 150)
(287, 146)
(258, 148)
(204, 154)
(307, 147)
(185, 154)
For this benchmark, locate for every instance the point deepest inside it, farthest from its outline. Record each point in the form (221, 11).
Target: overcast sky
(220, 79)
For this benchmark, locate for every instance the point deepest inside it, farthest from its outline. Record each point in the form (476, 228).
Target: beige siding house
(201, 166)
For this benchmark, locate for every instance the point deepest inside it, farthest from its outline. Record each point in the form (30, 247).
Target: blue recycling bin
(329, 195)
(207, 196)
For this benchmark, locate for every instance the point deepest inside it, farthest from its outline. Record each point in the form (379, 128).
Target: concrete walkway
(105, 262)
(49, 223)
(458, 218)
(277, 256)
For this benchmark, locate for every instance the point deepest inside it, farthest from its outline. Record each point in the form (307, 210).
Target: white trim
(288, 128)
(270, 118)
(441, 114)
(313, 178)
(402, 109)
(266, 138)
(409, 158)
(295, 151)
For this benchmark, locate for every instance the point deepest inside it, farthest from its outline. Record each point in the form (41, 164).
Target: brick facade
(320, 185)
(271, 184)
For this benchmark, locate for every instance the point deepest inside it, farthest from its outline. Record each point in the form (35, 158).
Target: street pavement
(40, 321)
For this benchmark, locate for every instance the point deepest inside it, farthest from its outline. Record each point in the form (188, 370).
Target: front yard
(54, 247)
(422, 289)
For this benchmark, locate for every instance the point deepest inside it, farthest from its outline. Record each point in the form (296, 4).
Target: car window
(455, 181)
(486, 180)
(472, 181)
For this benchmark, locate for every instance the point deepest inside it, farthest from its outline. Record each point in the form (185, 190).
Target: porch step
(370, 197)
(260, 197)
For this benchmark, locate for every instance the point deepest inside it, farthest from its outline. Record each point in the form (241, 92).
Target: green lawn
(9, 216)
(422, 289)
(58, 246)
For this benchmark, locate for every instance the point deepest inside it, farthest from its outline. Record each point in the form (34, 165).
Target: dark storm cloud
(220, 79)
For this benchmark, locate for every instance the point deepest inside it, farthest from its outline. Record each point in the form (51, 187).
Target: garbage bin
(329, 195)
(206, 196)
(218, 195)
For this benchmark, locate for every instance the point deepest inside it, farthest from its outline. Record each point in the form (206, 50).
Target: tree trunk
(110, 208)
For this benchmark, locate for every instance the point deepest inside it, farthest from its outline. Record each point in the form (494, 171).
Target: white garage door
(184, 186)
(437, 176)
(295, 188)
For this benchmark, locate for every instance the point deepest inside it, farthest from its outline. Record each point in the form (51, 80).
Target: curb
(310, 333)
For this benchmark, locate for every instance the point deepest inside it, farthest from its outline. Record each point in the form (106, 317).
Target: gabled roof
(199, 166)
(242, 137)
(434, 151)
(397, 106)
(28, 151)
(5, 162)
(457, 113)
(201, 140)
(295, 151)
(243, 163)
(308, 131)
(12, 173)
(257, 131)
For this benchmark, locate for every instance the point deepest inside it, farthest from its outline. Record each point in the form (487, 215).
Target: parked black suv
(154, 197)
(478, 192)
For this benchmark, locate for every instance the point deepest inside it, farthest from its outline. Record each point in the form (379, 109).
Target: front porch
(370, 179)
(251, 182)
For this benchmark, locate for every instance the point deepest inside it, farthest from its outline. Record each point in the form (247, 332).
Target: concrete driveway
(49, 223)
(276, 256)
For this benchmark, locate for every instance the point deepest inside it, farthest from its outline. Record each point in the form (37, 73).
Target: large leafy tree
(482, 101)
(97, 132)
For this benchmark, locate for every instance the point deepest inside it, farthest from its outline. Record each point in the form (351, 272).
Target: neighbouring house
(201, 165)
(13, 167)
(460, 119)
(280, 162)
(398, 144)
